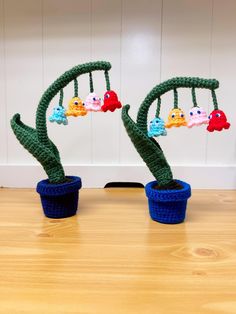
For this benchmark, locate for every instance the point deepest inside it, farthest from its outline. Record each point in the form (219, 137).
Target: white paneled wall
(147, 41)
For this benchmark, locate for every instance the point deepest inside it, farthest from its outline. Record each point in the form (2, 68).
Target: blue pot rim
(49, 189)
(168, 195)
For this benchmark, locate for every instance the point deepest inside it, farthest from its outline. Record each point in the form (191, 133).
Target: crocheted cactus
(36, 140)
(147, 147)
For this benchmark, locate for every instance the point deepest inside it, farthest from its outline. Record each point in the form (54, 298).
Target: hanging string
(75, 88)
(61, 98)
(91, 82)
(215, 103)
(194, 97)
(107, 80)
(158, 107)
(175, 98)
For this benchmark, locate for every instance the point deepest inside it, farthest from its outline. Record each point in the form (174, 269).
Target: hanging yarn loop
(194, 97)
(158, 107)
(175, 98)
(61, 98)
(91, 82)
(107, 80)
(215, 103)
(75, 87)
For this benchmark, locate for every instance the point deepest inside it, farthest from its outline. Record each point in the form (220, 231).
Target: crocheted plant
(36, 140)
(145, 144)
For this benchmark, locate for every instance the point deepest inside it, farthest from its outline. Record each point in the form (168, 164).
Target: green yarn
(75, 87)
(61, 98)
(158, 107)
(194, 97)
(91, 82)
(175, 98)
(36, 140)
(215, 103)
(148, 148)
(107, 80)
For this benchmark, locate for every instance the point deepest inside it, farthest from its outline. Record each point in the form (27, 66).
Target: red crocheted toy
(217, 121)
(111, 101)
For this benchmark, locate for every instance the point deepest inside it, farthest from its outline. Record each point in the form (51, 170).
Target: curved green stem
(55, 87)
(147, 147)
(36, 141)
(159, 90)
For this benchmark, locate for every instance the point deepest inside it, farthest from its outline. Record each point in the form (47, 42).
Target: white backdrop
(147, 41)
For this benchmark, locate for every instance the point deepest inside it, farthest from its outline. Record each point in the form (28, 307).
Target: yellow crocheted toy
(176, 118)
(76, 108)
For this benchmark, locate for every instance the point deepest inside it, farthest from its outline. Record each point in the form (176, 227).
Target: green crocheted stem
(148, 148)
(76, 88)
(56, 86)
(91, 82)
(158, 107)
(36, 141)
(194, 97)
(107, 80)
(61, 98)
(159, 90)
(215, 103)
(175, 98)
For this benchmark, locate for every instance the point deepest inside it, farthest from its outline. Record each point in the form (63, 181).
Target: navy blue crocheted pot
(168, 206)
(59, 200)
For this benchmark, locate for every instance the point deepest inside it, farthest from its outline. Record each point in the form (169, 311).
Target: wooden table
(112, 258)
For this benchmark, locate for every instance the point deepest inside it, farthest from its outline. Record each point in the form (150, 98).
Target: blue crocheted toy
(58, 115)
(157, 128)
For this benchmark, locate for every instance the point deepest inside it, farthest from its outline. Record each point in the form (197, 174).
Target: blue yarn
(59, 200)
(58, 115)
(168, 206)
(157, 128)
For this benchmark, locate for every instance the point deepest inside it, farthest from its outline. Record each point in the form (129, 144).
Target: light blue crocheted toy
(58, 115)
(157, 128)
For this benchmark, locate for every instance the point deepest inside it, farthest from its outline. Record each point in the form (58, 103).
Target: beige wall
(147, 41)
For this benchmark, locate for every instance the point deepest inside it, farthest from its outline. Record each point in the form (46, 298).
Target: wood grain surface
(112, 258)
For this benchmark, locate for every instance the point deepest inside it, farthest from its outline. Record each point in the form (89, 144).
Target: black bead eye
(218, 115)
(94, 98)
(182, 115)
(191, 113)
(199, 112)
(58, 109)
(210, 117)
(107, 95)
(76, 102)
(173, 115)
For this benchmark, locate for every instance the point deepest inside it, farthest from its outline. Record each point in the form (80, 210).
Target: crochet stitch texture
(149, 150)
(36, 140)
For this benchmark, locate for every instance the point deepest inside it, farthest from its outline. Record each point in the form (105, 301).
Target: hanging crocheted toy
(110, 101)
(76, 106)
(157, 128)
(176, 116)
(58, 114)
(217, 119)
(197, 115)
(157, 125)
(92, 101)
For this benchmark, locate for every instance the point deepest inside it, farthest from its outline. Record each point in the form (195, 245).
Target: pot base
(168, 206)
(59, 200)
